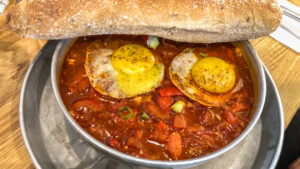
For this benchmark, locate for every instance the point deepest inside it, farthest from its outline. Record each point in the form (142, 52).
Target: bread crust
(199, 21)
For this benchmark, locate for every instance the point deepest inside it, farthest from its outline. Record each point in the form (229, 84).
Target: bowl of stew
(163, 125)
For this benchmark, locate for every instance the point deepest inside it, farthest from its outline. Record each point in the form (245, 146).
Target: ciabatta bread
(203, 21)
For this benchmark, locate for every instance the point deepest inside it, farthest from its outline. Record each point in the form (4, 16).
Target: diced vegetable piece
(161, 131)
(170, 91)
(145, 116)
(162, 125)
(152, 42)
(164, 102)
(174, 145)
(179, 121)
(155, 111)
(124, 110)
(203, 54)
(134, 142)
(139, 134)
(138, 100)
(178, 106)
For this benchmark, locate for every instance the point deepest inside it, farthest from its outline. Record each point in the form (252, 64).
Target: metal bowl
(259, 86)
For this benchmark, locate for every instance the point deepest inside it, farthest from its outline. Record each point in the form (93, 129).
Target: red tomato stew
(146, 125)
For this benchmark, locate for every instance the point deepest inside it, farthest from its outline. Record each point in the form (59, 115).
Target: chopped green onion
(203, 54)
(152, 42)
(145, 116)
(178, 106)
(123, 109)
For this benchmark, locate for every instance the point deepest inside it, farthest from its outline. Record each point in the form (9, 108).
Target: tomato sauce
(150, 128)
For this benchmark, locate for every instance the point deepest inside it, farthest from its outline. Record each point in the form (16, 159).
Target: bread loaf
(201, 21)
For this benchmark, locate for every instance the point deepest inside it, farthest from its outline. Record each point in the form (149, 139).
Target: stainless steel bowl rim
(160, 163)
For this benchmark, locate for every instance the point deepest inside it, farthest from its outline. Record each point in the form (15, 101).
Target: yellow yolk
(207, 80)
(123, 72)
(134, 84)
(214, 75)
(132, 59)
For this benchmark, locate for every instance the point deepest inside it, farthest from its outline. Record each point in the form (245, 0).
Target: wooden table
(16, 54)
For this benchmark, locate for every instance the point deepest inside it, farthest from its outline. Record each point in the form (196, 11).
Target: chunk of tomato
(179, 121)
(134, 143)
(170, 91)
(174, 145)
(155, 111)
(161, 131)
(164, 102)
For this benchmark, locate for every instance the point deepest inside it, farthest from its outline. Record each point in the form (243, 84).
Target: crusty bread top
(203, 21)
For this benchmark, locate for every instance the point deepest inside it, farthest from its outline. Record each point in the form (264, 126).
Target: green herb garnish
(123, 110)
(145, 116)
(152, 42)
(203, 54)
(178, 106)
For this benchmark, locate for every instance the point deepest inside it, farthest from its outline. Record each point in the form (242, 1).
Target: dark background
(291, 143)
